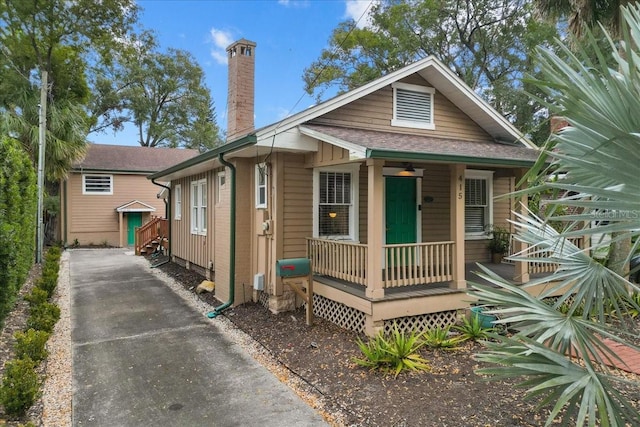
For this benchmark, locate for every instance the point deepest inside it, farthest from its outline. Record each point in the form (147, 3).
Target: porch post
(375, 228)
(120, 228)
(456, 185)
(522, 268)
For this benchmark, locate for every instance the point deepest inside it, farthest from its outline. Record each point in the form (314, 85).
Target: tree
(486, 42)
(559, 346)
(583, 14)
(57, 36)
(168, 101)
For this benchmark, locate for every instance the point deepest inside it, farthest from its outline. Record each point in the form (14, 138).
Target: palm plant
(559, 348)
(395, 353)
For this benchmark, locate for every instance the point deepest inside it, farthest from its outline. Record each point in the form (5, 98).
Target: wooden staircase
(152, 235)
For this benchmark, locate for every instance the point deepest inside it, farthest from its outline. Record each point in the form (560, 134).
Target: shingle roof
(132, 159)
(420, 144)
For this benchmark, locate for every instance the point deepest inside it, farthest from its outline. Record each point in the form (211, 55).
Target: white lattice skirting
(354, 320)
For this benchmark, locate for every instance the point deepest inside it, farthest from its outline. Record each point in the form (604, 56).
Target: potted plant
(499, 243)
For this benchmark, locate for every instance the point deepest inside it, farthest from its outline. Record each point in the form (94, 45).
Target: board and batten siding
(92, 219)
(194, 248)
(375, 111)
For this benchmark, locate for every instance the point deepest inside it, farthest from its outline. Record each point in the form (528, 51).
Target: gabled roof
(135, 206)
(440, 77)
(288, 134)
(121, 158)
(377, 144)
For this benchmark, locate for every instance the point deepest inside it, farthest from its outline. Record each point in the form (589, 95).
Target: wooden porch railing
(404, 265)
(417, 263)
(342, 260)
(157, 228)
(546, 267)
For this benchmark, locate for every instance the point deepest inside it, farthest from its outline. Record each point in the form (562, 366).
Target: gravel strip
(57, 391)
(58, 386)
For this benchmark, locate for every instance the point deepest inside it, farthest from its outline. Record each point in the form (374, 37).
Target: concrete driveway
(142, 356)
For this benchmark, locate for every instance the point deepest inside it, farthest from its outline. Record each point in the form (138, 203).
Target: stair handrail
(156, 228)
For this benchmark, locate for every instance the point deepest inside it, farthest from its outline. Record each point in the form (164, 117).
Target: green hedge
(18, 205)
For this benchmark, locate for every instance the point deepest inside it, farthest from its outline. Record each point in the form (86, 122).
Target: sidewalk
(143, 356)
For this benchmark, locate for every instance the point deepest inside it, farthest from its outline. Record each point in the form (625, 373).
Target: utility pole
(41, 145)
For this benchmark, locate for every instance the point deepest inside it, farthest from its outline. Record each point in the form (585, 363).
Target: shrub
(20, 386)
(472, 329)
(441, 338)
(37, 296)
(31, 344)
(48, 284)
(18, 198)
(54, 253)
(394, 353)
(43, 317)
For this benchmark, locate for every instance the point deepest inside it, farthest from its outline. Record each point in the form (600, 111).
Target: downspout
(64, 214)
(168, 210)
(232, 243)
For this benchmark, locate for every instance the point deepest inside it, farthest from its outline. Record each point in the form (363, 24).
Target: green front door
(134, 219)
(400, 210)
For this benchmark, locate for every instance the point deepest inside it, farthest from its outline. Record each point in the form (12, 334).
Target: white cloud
(221, 40)
(355, 9)
(293, 3)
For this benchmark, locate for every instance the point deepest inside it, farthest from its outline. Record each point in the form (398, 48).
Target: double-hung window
(478, 209)
(336, 196)
(199, 207)
(177, 196)
(261, 186)
(412, 106)
(97, 184)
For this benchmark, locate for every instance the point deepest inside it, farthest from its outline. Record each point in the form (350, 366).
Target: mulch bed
(452, 394)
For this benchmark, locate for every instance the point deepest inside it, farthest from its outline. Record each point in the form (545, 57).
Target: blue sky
(290, 35)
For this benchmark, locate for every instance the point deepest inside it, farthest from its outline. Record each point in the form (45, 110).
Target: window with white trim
(336, 203)
(177, 197)
(97, 184)
(412, 106)
(221, 182)
(478, 203)
(261, 185)
(199, 207)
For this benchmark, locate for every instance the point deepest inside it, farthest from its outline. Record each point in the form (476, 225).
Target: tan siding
(375, 111)
(364, 197)
(476, 251)
(435, 214)
(195, 249)
(222, 238)
(298, 206)
(502, 206)
(93, 219)
(328, 154)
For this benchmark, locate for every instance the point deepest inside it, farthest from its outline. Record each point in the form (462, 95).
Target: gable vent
(413, 106)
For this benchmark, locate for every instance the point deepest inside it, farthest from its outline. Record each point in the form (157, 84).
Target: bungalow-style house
(387, 189)
(106, 195)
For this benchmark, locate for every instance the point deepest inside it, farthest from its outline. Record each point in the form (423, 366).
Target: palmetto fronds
(594, 168)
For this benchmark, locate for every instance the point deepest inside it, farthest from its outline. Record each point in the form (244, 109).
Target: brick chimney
(557, 123)
(240, 98)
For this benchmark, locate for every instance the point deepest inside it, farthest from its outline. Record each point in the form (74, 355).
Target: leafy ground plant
(393, 353)
(471, 329)
(441, 338)
(20, 386)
